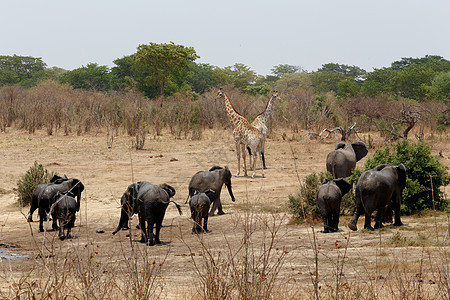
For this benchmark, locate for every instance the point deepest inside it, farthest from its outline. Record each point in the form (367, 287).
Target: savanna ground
(253, 251)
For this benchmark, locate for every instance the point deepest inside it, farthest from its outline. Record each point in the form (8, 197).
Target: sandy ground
(107, 172)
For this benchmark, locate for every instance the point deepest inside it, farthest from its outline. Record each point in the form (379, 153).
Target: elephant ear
(340, 146)
(211, 195)
(360, 150)
(401, 171)
(57, 179)
(325, 181)
(170, 190)
(343, 185)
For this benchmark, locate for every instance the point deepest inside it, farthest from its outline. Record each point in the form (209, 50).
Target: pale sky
(260, 34)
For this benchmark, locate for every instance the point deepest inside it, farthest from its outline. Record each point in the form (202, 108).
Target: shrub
(421, 169)
(304, 204)
(26, 184)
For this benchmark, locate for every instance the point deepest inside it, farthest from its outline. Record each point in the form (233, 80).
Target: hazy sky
(259, 34)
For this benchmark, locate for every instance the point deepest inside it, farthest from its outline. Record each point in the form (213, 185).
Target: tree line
(165, 69)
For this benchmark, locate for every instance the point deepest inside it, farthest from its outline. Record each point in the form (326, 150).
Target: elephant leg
(353, 223)
(144, 236)
(205, 223)
(219, 207)
(215, 205)
(194, 218)
(379, 219)
(54, 222)
(61, 230)
(367, 219)
(325, 224)
(335, 222)
(157, 230)
(33, 207)
(150, 237)
(398, 201)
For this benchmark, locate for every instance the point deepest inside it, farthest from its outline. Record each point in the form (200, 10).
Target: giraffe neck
(266, 113)
(233, 115)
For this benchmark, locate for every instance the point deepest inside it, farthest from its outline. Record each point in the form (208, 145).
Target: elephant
(63, 209)
(374, 191)
(199, 204)
(329, 196)
(47, 196)
(150, 202)
(213, 179)
(37, 190)
(342, 160)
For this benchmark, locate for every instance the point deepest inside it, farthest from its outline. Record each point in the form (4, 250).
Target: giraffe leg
(254, 164)
(261, 157)
(243, 158)
(238, 154)
(250, 155)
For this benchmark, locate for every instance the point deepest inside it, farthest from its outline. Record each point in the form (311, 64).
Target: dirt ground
(107, 172)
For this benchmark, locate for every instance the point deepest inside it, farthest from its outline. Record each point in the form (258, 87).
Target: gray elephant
(63, 209)
(150, 202)
(46, 197)
(374, 191)
(213, 179)
(342, 160)
(199, 204)
(37, 190)
(329, 196)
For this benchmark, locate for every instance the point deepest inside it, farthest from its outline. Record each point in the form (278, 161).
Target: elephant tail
(178, 207)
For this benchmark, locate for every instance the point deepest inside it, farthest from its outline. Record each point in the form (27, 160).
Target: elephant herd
(149, 201)
(377, 189)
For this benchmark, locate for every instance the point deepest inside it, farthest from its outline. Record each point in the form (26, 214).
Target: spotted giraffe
(260, 123)
(244, 134)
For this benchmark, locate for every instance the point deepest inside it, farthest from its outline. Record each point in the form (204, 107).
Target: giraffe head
(220, 93)
(275, 94)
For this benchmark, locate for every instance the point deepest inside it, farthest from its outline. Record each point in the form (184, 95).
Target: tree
(284, 69)
(378, 81)
(89, 77)
(240, 75)
(162, 60)
(435, 62)
(350, 71)
(200, 77)
(440, 87)
(20, 70)
(412, 82)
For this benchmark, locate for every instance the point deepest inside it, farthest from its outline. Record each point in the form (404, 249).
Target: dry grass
(250, 252)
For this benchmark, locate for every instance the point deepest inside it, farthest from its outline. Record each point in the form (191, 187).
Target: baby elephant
(63, 210)
(199, 204)
(329, 196)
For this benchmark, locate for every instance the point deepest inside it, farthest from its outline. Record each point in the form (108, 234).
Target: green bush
(26, 184)
(421, 166)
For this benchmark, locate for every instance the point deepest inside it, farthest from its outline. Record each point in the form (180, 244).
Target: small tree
(425, 175)
(26, 184)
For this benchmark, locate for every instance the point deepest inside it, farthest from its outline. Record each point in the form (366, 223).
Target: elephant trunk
(123, 220)
(230, 191)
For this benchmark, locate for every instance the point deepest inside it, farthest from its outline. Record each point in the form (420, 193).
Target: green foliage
(26, 71)
(262, 89)
(239, 75)
(90, 77)
(440, 87)
(284, 69)
(304, 204)
(161, 61)
(421, 167)
(26, 184)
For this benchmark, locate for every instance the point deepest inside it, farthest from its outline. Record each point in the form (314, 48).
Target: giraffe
(260, 123)
(244, 134)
